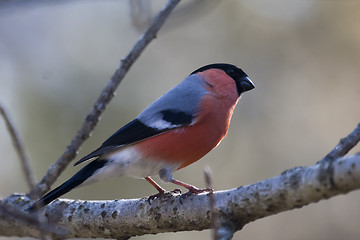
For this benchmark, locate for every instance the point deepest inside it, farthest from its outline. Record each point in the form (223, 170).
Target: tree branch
(19, 147)
(120, 219)
(99, 106)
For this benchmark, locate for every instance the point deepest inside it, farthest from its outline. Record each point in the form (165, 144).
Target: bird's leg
(191, 188)
(166, 175)
(161, 190)
(157, 186)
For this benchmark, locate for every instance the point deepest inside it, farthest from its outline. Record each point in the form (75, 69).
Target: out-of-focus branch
(19, 147)
(140, 12)
(214, 222)
(99, 106)
(122, 219)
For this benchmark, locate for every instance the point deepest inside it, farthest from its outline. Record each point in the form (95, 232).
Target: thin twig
(28, 174)
(212, 203)
(19, 147)
(344, 146)
(99, 106)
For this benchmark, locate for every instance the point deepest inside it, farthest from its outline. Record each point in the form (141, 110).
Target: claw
(192, 189)
(153, 197)
(162, 193)
(176, 191)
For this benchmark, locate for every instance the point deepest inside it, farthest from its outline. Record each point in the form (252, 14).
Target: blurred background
(302, 55)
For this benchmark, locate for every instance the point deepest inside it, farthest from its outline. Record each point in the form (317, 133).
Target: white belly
(129, 162)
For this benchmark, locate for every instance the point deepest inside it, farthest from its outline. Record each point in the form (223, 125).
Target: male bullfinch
(176, 130)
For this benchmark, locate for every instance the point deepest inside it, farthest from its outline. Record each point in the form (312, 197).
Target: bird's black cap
(243, 82)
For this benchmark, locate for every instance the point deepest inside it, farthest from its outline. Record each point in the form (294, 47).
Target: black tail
(73, 182)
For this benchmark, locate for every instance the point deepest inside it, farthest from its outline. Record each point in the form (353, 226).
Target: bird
(176, 130)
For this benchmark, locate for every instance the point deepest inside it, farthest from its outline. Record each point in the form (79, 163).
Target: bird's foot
(155, 196)
(176, 191)
(163, 193)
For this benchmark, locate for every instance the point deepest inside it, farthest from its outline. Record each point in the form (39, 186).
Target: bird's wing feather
(136, 131)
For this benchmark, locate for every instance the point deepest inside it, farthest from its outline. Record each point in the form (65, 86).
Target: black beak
(244, 84)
